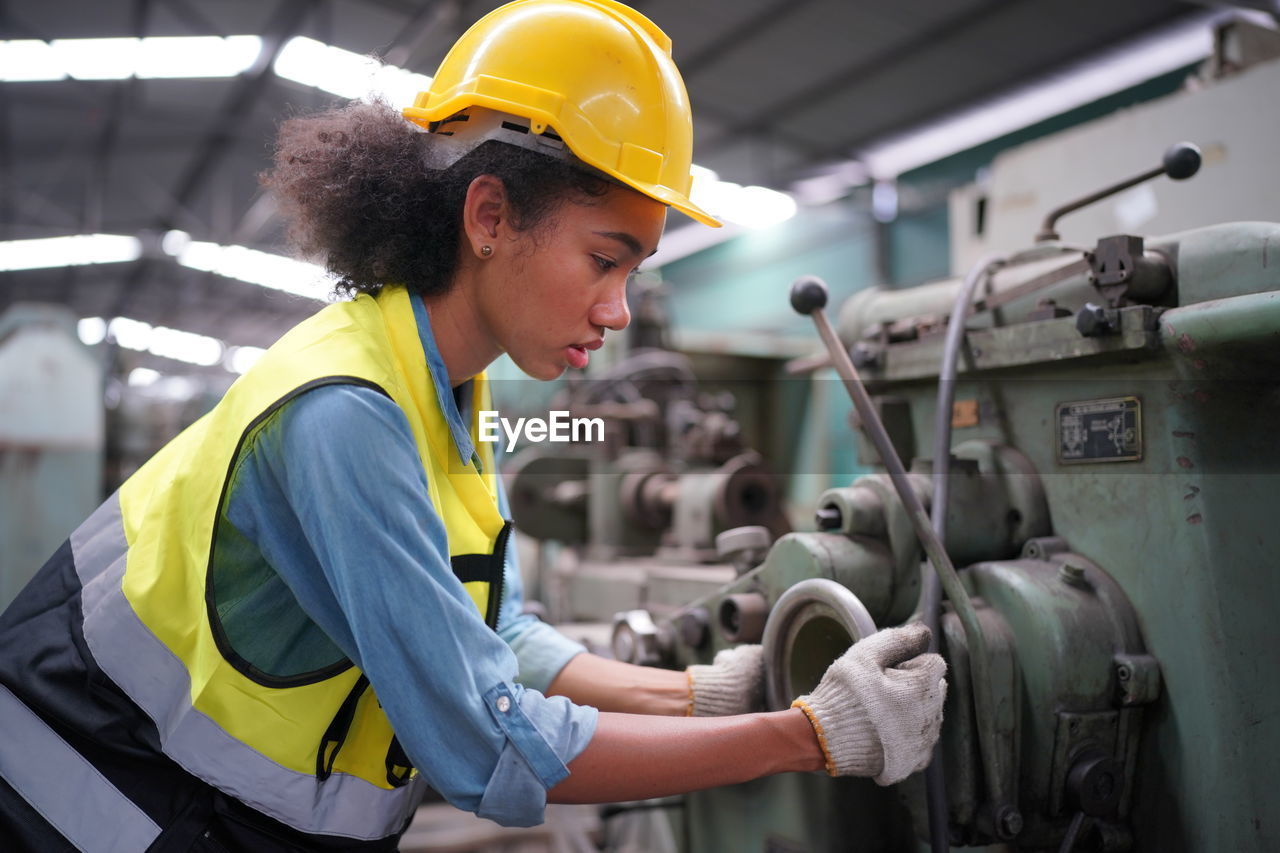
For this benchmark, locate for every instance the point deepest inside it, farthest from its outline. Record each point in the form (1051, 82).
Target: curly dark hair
(355, 193)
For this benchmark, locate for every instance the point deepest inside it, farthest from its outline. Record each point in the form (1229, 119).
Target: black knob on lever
(1181, 161)
(808, 294)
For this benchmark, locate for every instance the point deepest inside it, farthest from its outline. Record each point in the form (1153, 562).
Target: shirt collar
(457, 417)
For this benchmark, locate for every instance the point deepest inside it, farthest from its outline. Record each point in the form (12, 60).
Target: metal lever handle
(1180, 162)
(809, 296)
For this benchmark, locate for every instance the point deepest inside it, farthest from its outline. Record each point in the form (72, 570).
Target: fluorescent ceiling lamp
(261, 268)
(197, 56)
(77, 250)
(29, 59)
(240, 359)
(97, 59)
(168, 343)
(121, 58)
(742, 209)
(750, 207)
(91, 330)
(1114, 71)
(141, 377)
(165, 342)
(345, 73)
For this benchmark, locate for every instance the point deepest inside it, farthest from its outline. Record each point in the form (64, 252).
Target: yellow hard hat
(597, 72)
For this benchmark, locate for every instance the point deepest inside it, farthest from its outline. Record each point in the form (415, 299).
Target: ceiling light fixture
(346, 73)
(750, 206)
(240, 359)
(175, 344)
(75, 250)
(165, 342)
(264, 269)
(120, 58)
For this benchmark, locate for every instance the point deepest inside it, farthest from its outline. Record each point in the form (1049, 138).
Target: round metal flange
(543, 501)
(813, 623)
(647, 496)
(637, 639)
(747, 493)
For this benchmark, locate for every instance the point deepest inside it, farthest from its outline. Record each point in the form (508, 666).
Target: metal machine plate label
(1108, 430)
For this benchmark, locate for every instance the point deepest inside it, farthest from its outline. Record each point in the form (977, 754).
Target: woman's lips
(577, 354)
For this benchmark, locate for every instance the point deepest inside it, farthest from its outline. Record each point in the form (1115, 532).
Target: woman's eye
(604, 263)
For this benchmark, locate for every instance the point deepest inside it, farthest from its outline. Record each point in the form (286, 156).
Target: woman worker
(300, 613)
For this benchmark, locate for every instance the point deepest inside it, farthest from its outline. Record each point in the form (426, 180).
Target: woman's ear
(484, 214)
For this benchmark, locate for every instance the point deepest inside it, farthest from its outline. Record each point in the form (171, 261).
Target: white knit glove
(878, 710)
(732, 684)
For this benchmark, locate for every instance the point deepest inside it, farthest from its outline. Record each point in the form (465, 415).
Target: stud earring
(486, 251)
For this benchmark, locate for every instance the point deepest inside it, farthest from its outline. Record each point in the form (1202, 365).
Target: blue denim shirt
(332, 492)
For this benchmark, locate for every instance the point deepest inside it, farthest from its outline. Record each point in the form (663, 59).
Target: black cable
(931, 597)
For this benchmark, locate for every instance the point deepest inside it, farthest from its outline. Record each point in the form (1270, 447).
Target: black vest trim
(244, 667)
(487, 568)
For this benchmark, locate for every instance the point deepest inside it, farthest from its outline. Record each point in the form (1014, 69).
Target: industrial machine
(51, 437)
(1090, 429)
(641, 508)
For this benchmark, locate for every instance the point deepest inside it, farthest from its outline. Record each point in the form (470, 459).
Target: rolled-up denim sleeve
(541, 651)
(333, 493)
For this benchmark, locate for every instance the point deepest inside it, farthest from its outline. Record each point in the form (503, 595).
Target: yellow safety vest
(318, 754)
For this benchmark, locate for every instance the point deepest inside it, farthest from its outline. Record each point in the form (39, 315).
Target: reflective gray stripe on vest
(153, 677)
(65, 788)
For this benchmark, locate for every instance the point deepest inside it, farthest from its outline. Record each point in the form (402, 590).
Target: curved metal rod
(931, 596)
(984, 702)
(1048, 228)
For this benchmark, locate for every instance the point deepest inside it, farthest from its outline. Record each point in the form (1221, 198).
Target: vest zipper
(498, 588)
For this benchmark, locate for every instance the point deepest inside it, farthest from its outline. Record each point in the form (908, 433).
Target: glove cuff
(714, 691)
(732, 684)
(848, 739)
(820, 732)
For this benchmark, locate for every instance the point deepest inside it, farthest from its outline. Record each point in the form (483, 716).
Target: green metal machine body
(1115, 497)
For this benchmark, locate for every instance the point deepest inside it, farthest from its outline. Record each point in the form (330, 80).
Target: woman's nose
(612, 312)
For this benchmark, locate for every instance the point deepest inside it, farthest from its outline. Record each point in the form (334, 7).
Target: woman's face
(557, 289)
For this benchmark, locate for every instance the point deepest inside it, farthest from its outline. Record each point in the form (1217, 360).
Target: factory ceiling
(780, 88)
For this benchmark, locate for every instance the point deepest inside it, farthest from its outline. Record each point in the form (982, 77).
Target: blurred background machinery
(640, 511)
(51, 438)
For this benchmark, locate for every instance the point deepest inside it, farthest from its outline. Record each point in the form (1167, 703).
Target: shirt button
(504, 704)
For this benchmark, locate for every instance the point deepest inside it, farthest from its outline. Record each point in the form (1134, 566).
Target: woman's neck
(464, 344)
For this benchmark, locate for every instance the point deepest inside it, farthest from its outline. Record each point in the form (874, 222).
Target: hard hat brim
(442, 109)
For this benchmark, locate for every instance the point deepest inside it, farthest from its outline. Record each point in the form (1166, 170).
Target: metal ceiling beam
(6, 154)
(843, 148)
(405, 7)
(858, 72)
(440, 13)
(285, 22)
(710, 53)
(98, 179)
(288, 18)
(195, 20)
(36, 208)
(737, 35)
(431, 14)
